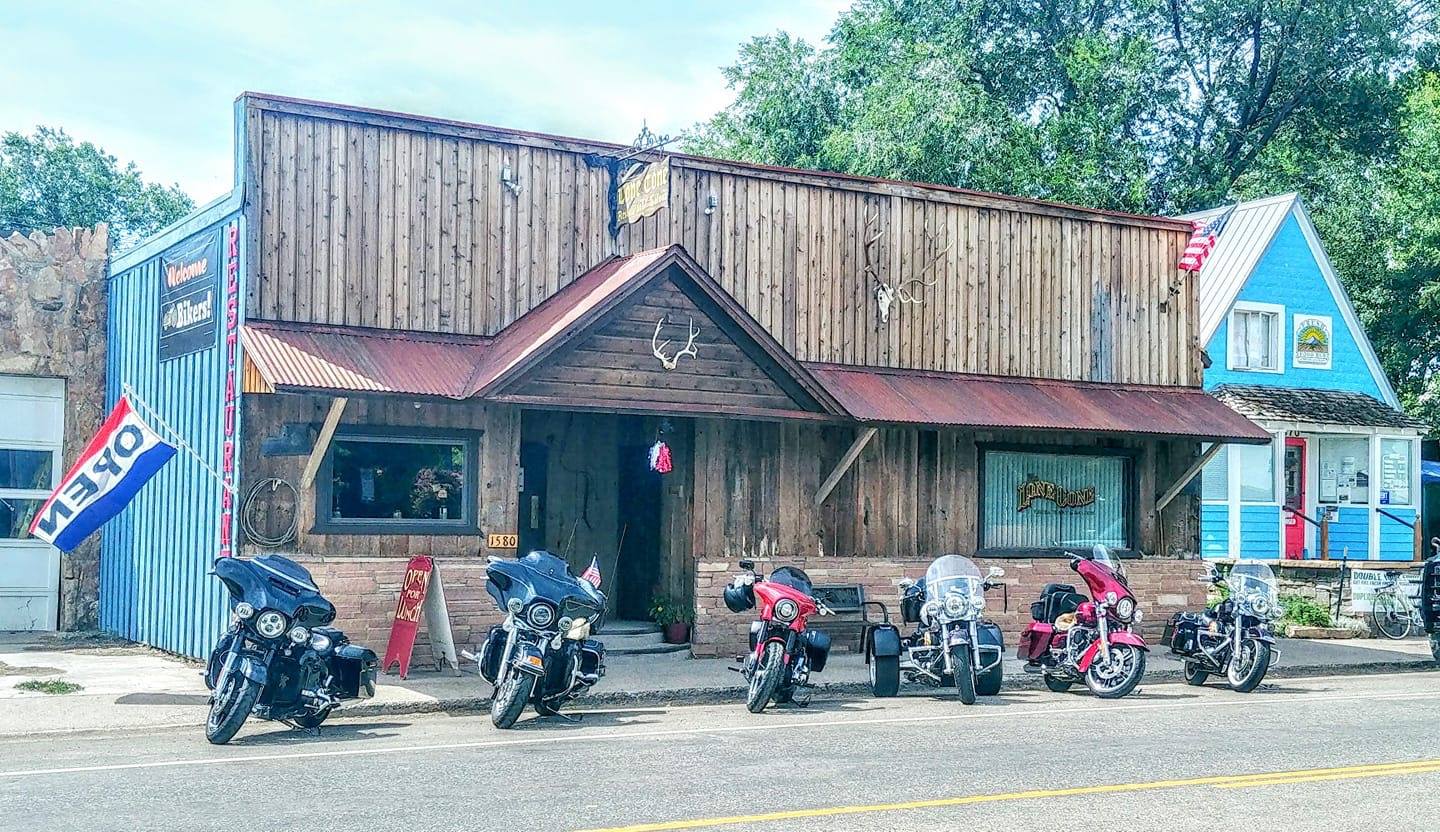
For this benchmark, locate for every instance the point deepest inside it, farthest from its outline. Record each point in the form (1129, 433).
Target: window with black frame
(1054, 501)
(399, 483)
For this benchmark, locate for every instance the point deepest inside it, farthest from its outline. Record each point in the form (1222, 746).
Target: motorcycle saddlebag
(490, 653)
(1035, 640)
(990, 636)
(592, 657)
(817, 649)
(1430, 594)
(740, 598)
(355, 668)
(1180, 632)
(910, 606)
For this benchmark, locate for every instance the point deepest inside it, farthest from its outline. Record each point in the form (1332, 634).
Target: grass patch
(51, 686)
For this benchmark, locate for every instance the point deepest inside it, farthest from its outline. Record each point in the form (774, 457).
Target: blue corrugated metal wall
(1397, 542)
(1215, 530)
(155, 557)
(1260, 532)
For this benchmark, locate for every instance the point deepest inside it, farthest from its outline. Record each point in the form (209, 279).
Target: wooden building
(460, 340)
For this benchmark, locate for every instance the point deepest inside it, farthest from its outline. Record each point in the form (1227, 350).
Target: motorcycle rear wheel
(989, 682)
(884, 676)
(769, 673)
(1245, 676)
(1115, 682)
(1194, 675)
(1435, 646)
(964, 673)
(1058, 685)
(233, 702)
(510, 697)
(314, 720)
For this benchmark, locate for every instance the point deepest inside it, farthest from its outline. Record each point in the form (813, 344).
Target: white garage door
(32, 429)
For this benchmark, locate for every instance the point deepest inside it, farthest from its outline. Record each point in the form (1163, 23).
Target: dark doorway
(640, 500)
(534, 477)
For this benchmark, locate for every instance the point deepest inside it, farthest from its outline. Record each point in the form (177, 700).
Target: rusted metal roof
(298, 356)
(978, 401)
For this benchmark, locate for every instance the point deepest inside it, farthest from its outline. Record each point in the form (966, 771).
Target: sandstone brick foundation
(1163, 586)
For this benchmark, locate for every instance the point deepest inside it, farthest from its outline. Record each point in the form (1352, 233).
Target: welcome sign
(189, 292)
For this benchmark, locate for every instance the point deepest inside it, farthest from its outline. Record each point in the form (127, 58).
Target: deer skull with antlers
(669, 362)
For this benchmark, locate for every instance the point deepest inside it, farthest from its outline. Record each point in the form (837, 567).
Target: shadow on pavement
(342, 732)
(163, 699)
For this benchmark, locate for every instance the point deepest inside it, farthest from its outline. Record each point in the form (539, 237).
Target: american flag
(591, 575)
(1202, 242)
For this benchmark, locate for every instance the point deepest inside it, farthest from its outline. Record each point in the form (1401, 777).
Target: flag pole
(149, 412)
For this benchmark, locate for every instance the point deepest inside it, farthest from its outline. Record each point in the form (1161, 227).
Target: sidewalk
(126, 686)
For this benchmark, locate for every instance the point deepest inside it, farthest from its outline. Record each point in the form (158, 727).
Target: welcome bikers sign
(189, 292)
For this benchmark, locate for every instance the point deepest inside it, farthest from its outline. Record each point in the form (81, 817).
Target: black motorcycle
(278, 659)
(1430, 598)
(543, 652)
(1233, 637)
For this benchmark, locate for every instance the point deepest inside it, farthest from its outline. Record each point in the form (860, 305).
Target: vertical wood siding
(388, 226)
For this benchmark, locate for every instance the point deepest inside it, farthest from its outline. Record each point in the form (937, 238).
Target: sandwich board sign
(421, 594)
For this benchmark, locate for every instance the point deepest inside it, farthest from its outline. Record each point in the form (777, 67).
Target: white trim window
(1256, 337)
(1397, 471)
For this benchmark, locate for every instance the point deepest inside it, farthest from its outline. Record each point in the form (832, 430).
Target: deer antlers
(670, 362)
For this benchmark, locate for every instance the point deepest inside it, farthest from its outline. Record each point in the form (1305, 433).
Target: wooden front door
(1294, 497)
(535, 476)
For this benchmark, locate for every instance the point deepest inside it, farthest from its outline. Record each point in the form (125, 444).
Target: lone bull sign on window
(1033, 490)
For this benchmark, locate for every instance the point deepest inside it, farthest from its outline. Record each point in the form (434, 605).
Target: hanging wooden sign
(421, 594)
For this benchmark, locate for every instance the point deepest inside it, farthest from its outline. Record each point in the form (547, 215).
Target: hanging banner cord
(174, 435)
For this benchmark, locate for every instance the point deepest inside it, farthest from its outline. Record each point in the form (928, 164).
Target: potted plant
(673, 617)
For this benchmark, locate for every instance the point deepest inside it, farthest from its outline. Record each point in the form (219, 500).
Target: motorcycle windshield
(277, 583)
(793, 577)
(953, 574)
(1103, 554)
(543, 575)
(1253, 586)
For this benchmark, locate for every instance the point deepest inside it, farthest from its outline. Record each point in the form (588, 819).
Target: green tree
(47, 180)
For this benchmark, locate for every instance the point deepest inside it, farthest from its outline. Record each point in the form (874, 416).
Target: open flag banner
(591, 575)
(121, 458)
(1203, 241)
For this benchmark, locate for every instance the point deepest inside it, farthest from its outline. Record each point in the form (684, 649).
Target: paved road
(1331, 753)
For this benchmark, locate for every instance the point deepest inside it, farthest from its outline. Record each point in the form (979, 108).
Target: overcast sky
(154, 82)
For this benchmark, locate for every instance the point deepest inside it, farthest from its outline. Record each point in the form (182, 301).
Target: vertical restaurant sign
(1313, 342)
(232, 350)
(189, 290)
(643, 192)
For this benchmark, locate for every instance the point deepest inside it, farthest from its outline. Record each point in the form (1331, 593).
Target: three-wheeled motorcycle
(279, 660)
(1233, 637)
(1430, 597)
(952, 643)
(542, 653)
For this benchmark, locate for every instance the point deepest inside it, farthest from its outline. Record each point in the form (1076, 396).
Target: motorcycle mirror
(747, 564)
(906, 583)
(995, 572)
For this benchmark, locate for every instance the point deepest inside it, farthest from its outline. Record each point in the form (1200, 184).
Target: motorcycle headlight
(1111, 597)
(270, 624)
(955, 605)
(540, 615)
(244, 610)
(299, 635)
(978, 602)
(1125, 608)
(930, 610)
(320, 643)
(786, 610)
(515, 605)
(1261, 605)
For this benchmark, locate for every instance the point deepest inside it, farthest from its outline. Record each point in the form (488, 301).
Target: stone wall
(1164, 586)
(52, 323)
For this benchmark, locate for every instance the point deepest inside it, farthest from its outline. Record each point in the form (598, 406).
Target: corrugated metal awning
(961, 400)
(295, 356)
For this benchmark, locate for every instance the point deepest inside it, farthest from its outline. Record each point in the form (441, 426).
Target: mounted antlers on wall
(906, 291)
(670, 362)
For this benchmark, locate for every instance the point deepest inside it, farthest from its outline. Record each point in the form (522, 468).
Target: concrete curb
(720, 694)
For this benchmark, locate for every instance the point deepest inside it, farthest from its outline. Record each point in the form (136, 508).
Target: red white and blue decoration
(1203, 240)
(121, 458)
(591, 575)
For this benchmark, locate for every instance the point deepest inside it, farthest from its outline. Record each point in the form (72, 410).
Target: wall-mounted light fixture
(711, 202)
(509, 180)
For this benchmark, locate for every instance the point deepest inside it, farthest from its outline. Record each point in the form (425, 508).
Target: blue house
(1287, 350)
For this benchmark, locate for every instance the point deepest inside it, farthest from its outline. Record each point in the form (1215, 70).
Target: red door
(1294, 497)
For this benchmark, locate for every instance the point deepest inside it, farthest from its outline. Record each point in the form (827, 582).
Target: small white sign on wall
(1313, 342)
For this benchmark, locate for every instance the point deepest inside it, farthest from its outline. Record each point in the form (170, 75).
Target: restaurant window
(1054, 500)
(1396, 459)
(1345, 470)
(1255, 337)
(26, 478)
(1215, 477)
(399, 483)
(1256, 464)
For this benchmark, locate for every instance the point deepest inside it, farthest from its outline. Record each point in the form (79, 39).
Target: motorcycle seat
(1055, 601)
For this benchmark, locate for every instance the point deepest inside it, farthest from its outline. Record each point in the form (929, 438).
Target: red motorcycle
(783, 653)
(1096, 640)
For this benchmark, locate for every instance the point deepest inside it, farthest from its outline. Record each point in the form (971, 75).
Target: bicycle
(1391, 612)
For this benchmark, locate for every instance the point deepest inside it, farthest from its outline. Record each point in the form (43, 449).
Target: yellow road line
(1228, 781)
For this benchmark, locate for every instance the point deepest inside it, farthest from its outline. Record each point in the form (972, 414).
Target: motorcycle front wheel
(769, 673)
(234, 699)
(510, 698)
(1248, 666)
(964, 673)
(1119, 676)
(1435, 646)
